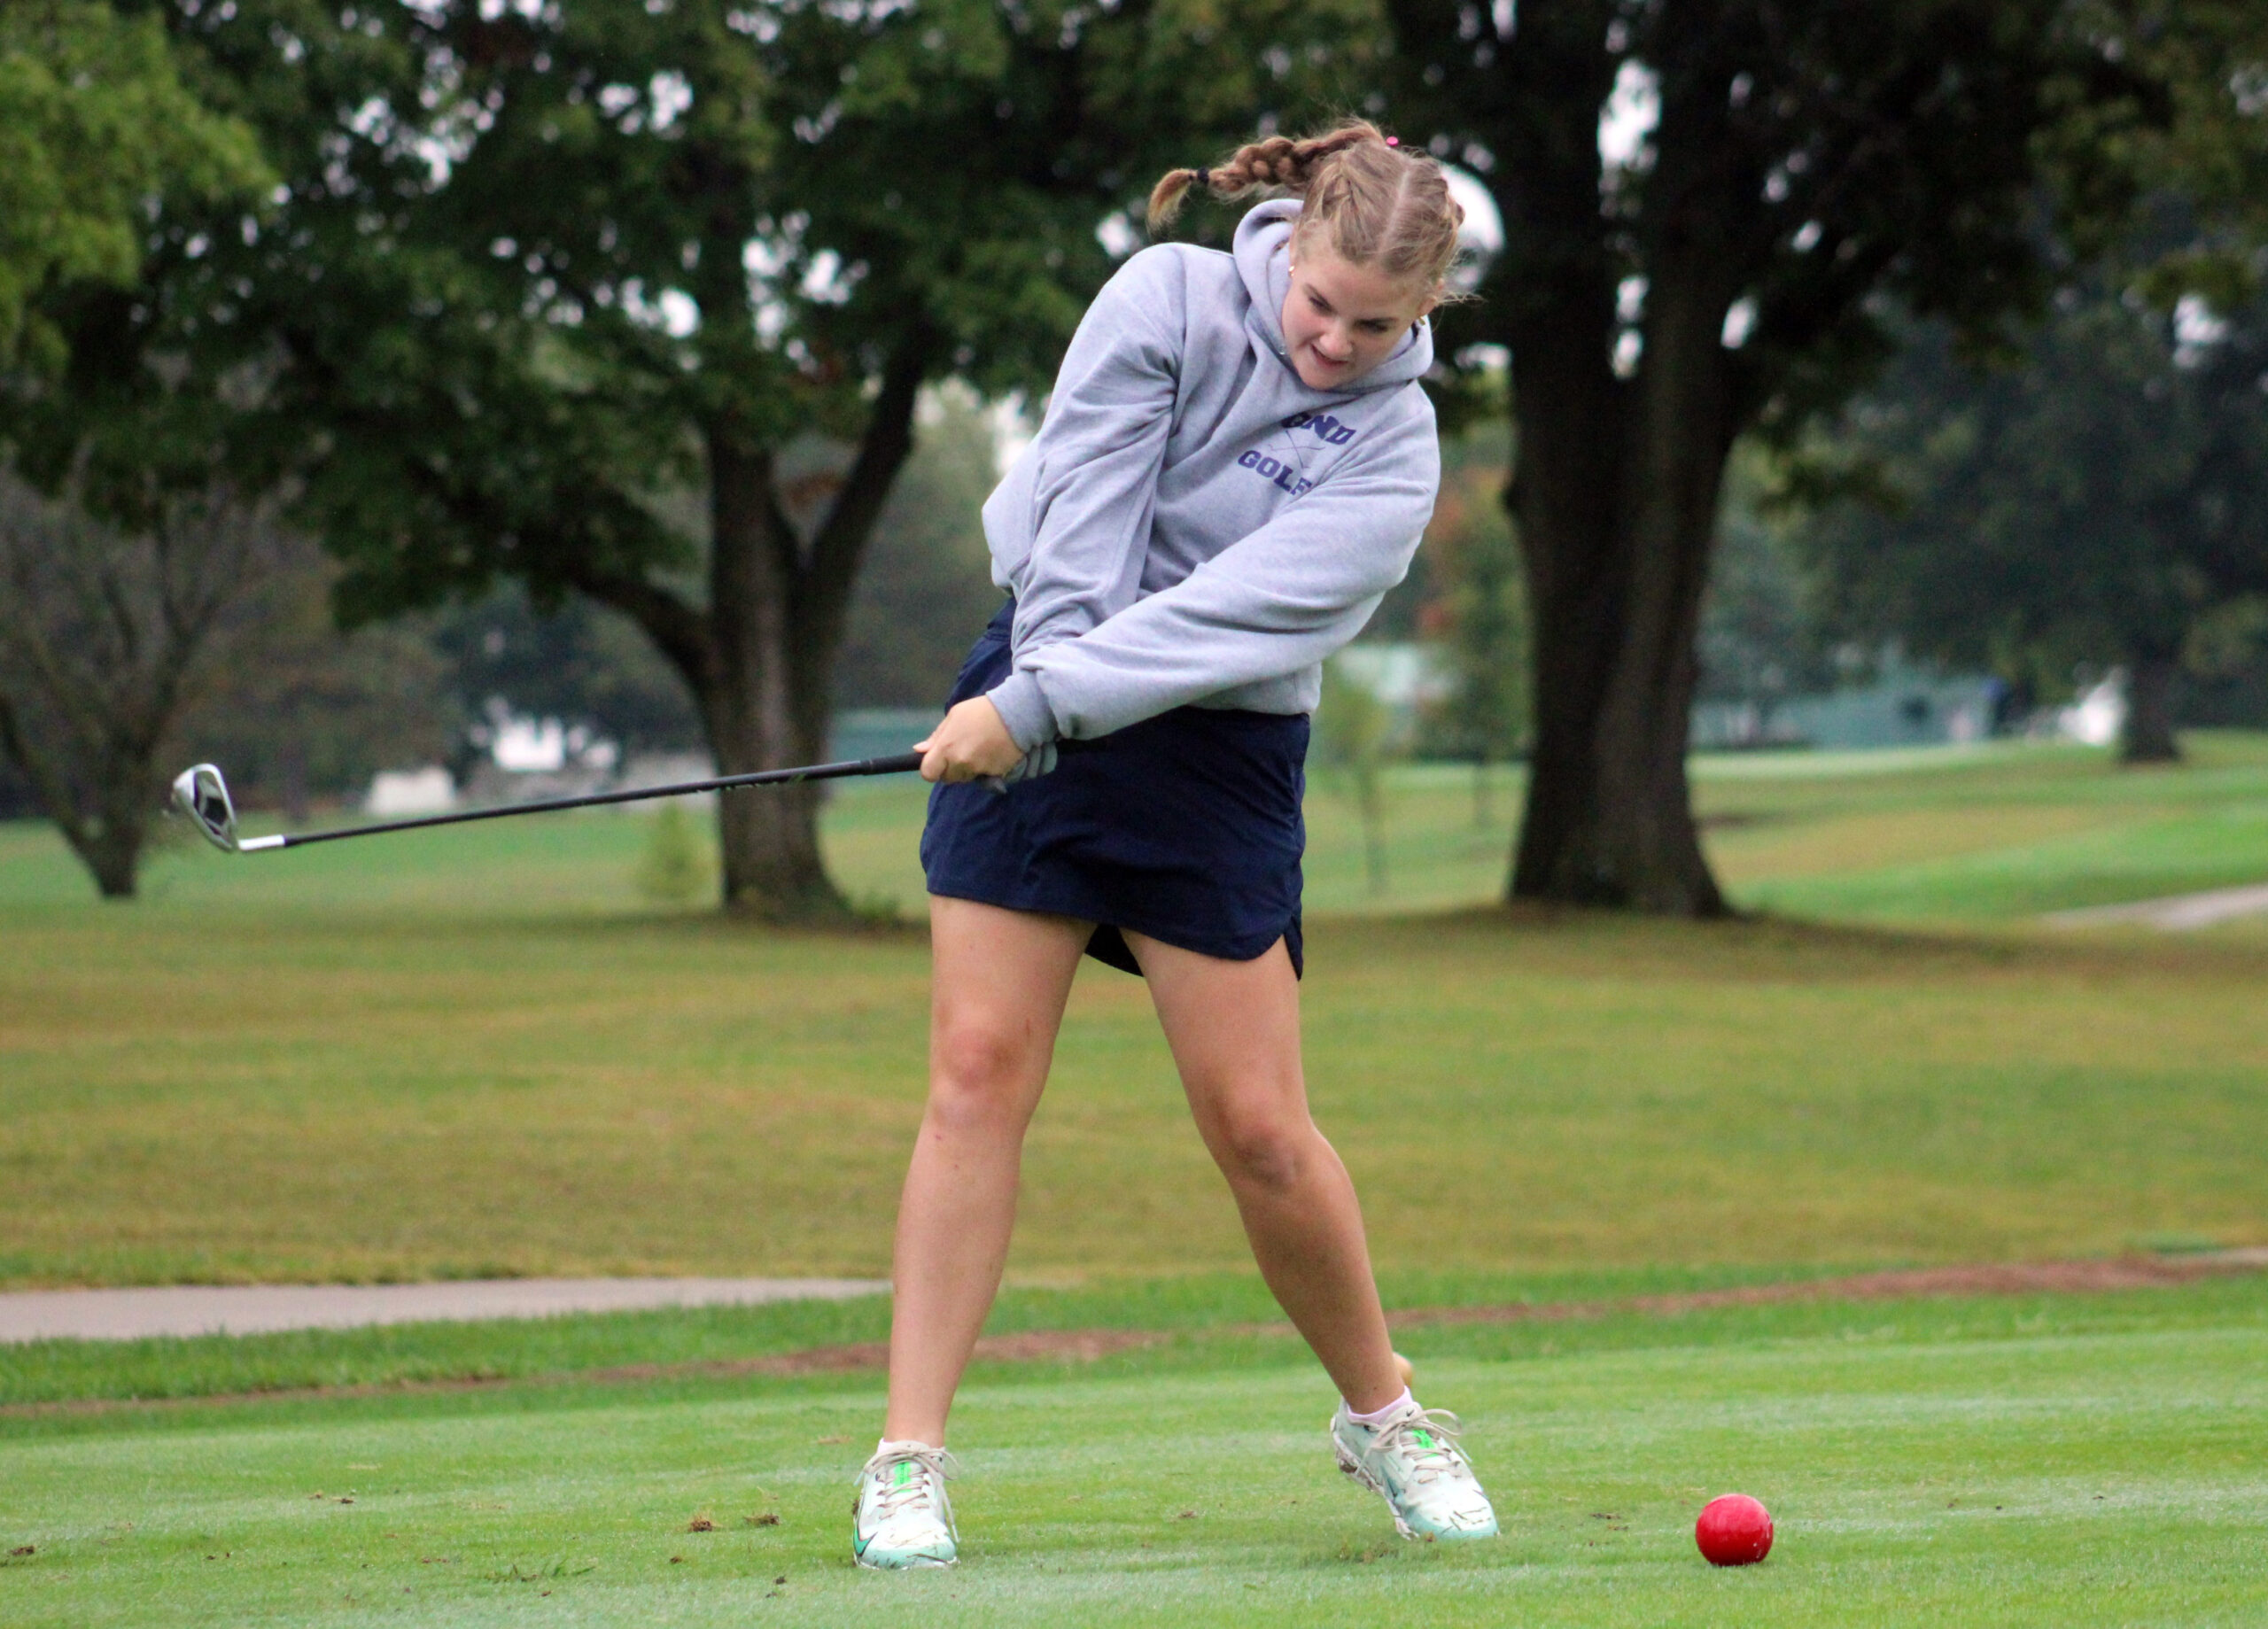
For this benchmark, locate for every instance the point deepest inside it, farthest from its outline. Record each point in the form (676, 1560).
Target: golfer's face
(1342, 319)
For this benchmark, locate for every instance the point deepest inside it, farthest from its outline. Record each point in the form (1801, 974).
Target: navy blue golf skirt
(1186, 827)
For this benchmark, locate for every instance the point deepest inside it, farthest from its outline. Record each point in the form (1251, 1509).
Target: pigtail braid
(1280, 164)
(1166, 197)
(1378, 203)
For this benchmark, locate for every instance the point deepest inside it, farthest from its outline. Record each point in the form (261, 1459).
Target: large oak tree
(1801, 163)
(544, 274)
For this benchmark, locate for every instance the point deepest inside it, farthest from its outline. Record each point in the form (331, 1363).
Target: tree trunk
(2147, 736)
(769, 839)
(1616, 485)
(1615, 499)
(109, 842)
(761, 658)
(111, 850)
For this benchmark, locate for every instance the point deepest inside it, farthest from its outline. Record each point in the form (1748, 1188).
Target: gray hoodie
(1192, 525)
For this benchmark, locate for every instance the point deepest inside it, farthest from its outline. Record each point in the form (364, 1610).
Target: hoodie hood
(1193, 525)
(1265, 262)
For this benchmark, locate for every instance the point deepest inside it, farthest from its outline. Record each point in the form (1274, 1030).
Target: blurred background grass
(1967, 835)
(483, 1052)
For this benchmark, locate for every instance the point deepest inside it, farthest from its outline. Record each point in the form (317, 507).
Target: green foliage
(582, 663)
(927, 586)
(96, 125)
(660, 226)
(2214, 156)
(1808, 163)
(2227, 666)
(676, 868)
(561, 295)
(1354, 732)
(1760, 640)
(1472, 553)
(173, 381)
(2097, 504)
(303, 713)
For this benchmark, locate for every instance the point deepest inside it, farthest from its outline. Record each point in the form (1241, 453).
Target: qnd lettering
(1276, 470)
(1326, 426)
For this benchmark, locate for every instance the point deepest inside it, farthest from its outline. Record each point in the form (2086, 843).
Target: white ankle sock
(1379, 1418)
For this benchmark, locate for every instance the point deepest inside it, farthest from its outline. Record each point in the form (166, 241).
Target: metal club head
(204, 798)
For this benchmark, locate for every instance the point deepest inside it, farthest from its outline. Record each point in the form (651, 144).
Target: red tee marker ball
(1734, 1530)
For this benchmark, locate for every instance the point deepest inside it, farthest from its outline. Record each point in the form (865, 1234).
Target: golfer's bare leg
(1234, 1027)
(1000, 980)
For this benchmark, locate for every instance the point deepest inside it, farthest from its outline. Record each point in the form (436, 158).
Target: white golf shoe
(1411, 1460)
(901, 1518)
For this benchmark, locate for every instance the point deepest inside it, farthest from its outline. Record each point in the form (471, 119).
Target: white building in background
(2098, 715)
(527, 758)
(396, 792)
(667, 769)
(520, 745)
(1901, 705)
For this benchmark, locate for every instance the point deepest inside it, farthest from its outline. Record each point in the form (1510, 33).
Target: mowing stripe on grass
(2064, 1476)
(1087, 1345)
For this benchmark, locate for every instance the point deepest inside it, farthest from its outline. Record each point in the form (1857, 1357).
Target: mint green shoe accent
(901, 1518)
(1412, 1461)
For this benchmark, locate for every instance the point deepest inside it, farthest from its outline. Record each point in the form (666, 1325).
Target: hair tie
(1204, 177)
(1394, 141)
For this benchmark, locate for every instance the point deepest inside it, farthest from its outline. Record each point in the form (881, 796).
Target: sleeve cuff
(1022, 706)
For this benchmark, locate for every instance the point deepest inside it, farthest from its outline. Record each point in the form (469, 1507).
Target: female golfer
(1236, 463)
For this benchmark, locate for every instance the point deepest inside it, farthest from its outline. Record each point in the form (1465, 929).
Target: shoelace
(1426, 1460)
(936, 1467)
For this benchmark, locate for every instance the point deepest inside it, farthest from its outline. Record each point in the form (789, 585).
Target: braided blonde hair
(1372, 201)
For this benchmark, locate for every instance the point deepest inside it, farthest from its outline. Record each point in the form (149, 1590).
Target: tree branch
(677, 629)
(840, 541)
(54, 792)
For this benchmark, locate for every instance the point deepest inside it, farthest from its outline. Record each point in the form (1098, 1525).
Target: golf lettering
(1276, 470)
(1324, 424)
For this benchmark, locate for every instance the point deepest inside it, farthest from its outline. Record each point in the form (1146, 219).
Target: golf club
(204, 796)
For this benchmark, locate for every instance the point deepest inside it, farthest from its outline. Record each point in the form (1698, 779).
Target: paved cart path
(119, 1315)
(2175, 913)
(198, 1309)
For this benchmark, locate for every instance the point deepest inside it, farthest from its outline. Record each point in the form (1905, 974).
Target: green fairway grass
(36, 1374)
(2083, 1460)
(477, 1052)
(1993, 835)
(1956, 834)
(483, 1052)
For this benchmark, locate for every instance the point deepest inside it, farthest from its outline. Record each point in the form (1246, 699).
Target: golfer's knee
(979, 1074)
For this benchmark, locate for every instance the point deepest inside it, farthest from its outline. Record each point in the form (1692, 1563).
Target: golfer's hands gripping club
(972, 744)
